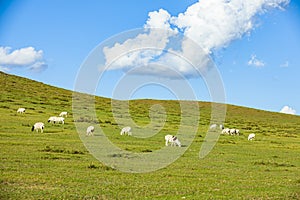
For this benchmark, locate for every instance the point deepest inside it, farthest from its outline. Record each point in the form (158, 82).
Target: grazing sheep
(173, 140)
(38, 126)
(232, 131)
(126, 130)
(213, 126)
(56, 119)
(59, 120)
(21, 110)
(90, 130)
(251, 136)
(226, 131)
(52, 119)
(63, 114)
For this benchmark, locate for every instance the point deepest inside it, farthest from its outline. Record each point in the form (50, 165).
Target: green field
(56, 165)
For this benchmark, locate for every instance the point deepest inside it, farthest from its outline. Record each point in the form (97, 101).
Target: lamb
(251, 136)
(126, 130)
(38, 126)
(21, 110)
(63, 114)
(173, 140)
(90, 130)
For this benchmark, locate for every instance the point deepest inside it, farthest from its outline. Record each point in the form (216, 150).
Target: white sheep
(54, 119)
(90, 130)
(59, 120)
(226, 131)
(38, 126)
(232, 131)
(173, 140)
(63, 114)
(126, 130)
(251, 136)
(213, 126)
(21, 110)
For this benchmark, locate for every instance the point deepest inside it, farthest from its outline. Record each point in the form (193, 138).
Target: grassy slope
(56, 165)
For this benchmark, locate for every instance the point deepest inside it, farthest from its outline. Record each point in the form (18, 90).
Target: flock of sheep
(173, 140)
(40, 125)
(230, 131)
(127, 130)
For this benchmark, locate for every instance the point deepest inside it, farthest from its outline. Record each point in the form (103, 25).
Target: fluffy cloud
(212, 24)
(255, 62)
(215, 23)
(25, 57)
(288, 110)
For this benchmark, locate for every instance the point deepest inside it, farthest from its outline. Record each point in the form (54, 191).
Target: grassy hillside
(56, 165)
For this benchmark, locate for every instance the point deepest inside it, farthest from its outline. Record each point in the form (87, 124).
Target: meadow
(56, 165)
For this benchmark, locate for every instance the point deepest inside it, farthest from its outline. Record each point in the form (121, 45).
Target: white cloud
(288, 110)
(212, 24)
(24, 57)
(215, 23)
(255, 62)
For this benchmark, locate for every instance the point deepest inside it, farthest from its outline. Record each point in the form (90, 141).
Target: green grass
(56, 165)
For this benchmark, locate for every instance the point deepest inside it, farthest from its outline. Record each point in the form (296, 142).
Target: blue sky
(257, 55)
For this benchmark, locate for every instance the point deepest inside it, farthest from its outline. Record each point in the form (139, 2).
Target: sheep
(126, 130)
(226, 131)
(59, 120)
(21, 110)
(56, 119)
(232, 131)
(90, 130)
(52, 119)
(213, 126)
(173, 140)
(63, 114)
(38, 126)
(251, 136)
